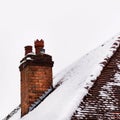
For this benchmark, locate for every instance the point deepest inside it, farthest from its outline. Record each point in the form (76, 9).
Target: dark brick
(97, 106)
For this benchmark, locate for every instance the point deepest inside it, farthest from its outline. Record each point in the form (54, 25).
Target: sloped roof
(73, 83)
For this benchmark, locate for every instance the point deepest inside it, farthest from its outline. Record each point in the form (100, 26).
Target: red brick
(36, 78)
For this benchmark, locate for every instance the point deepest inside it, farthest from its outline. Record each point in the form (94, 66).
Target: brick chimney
(36, 75)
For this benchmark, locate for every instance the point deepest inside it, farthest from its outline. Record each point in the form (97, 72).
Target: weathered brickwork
(35, 81)
(103, 100)
(36, 76)
(40, 80)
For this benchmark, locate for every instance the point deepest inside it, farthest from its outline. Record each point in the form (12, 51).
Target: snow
(108, 88)
(72, 84)
(40, 99)
(14, 114)
(31, 53)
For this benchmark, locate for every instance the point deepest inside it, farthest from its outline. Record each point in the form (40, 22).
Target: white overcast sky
(70, 29)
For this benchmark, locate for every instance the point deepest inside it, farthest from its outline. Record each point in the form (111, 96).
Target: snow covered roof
(73, 83)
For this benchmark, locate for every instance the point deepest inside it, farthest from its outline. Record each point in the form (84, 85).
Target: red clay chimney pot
(39, 44)
(28, 49)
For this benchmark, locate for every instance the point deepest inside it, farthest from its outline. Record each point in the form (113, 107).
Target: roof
(73, 83)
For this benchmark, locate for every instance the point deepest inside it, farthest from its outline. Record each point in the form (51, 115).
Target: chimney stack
(36, 75)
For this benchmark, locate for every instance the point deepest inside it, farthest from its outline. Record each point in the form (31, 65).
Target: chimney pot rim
(28, 46)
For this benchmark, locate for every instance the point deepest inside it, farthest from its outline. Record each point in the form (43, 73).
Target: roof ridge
(115, 46)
